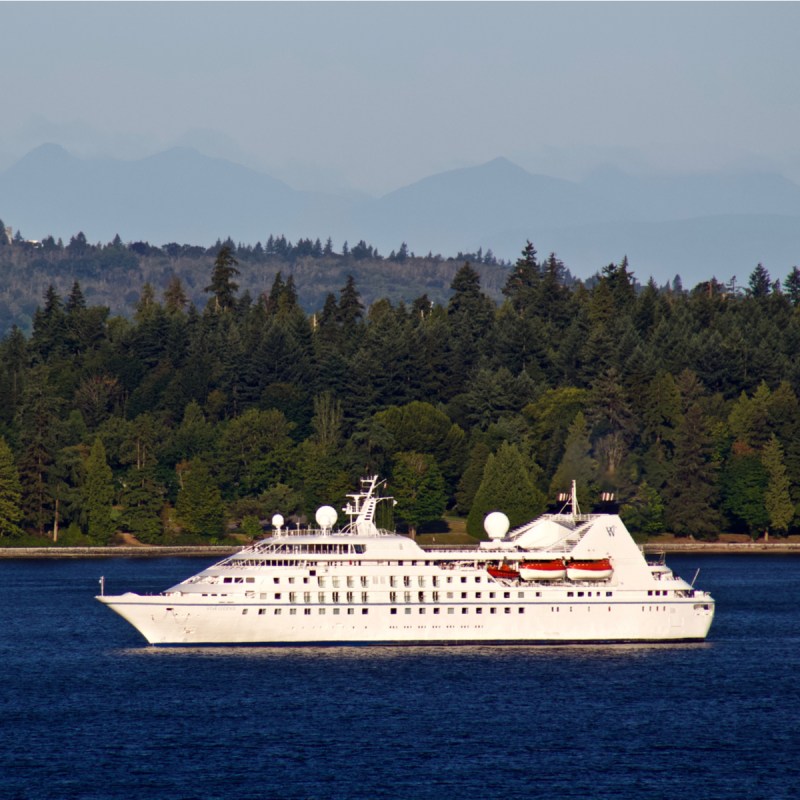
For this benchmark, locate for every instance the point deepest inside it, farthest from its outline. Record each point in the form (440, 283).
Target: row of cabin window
(284, 562)
(337, 549)
(364, 611)
(408, 597)
(352, 580)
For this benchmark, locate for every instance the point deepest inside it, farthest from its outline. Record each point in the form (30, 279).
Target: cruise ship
(564, 577)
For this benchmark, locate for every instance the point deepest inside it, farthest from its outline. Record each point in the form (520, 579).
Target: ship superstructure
(563, 577)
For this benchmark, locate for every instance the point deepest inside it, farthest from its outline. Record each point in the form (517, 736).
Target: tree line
(183, 423)
(29, 267)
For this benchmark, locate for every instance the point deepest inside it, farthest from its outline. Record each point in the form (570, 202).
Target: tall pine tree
(10, 493)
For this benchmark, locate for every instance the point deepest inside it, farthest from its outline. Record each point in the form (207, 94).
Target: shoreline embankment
(220, 551)
(141, 551)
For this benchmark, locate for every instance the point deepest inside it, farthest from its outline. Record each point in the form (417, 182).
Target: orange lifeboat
(503, 571)
(595, 569)
(546, 569)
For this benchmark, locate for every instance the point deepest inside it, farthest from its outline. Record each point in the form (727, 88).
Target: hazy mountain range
(698, 226)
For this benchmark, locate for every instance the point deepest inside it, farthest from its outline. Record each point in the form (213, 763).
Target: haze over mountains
(698, 226)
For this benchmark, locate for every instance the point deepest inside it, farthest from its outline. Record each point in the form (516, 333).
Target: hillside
(696, 225)
(113, 275)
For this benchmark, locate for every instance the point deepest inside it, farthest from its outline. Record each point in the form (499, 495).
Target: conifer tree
(506, 486)
(577, 463)
(98, 494)
(142, 498)
(174, 296)
(791, 286)
(275, 292)
(39, 424)
(222, 285)
(780, 509)
(10, 493)
(75, 301)
(351, 309)
(49, 326)
(523, 281)
(472, 476)
(690, 493)
(147, 305)
(759, 283)
(199, 506)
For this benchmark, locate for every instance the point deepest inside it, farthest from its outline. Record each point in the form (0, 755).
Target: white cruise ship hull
(179, 621)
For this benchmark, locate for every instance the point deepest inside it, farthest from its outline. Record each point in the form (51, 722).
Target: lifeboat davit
(549, 569)
(595, 569)
(503, 571)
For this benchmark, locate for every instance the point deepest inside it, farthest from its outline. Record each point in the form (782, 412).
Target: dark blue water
(87, 711)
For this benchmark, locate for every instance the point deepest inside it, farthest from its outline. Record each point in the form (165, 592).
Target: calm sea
(88, 711)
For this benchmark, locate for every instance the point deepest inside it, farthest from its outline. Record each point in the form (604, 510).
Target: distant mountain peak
(49, 151)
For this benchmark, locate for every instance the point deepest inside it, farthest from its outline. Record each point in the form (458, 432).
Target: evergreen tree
(471, 315)
(777, 500)
(690, 492)
(75, 301)
(10, 493)
(759, 283)
(98, 494)
(194, 437)
(523, 280)
(222, 285)
(275, 293)
(147, 305)
(38, 421)
(621, 284)
(749, 419)
(472, 476)
(174, 296)
(610, 416)
(554, 297)
(791, 286)
(199, 507)
(49, 326)
(577, 463)
(506, 486)
(14, 358)
(644, 512)
(142, 499)
(743, 486)
(351, 309)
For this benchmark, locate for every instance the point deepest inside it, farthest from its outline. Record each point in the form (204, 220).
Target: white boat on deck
(363, 585)
(590, 569)
(543, 569)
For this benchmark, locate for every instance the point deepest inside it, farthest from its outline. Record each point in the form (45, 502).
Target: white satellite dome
(277, 521)
(496, 525)
(326, 517)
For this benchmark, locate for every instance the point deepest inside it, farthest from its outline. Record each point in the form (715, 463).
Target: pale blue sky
(376, 96)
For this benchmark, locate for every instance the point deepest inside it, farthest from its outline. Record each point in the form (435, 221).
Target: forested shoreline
(189, 421)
